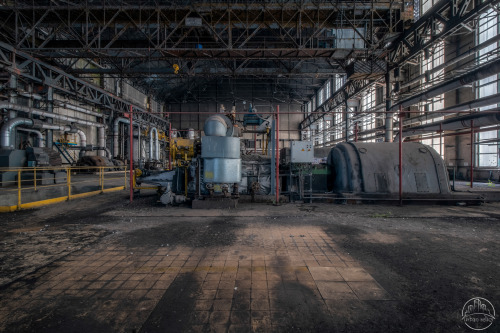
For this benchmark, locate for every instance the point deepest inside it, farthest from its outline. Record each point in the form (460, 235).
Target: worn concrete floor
(103, 265)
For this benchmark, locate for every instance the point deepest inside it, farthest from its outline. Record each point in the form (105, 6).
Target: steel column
(277, 154)
(131, 157)
(472, 153)
(400, 155)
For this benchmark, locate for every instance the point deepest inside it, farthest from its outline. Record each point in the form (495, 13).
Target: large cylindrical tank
(374, 168)
(220, 152)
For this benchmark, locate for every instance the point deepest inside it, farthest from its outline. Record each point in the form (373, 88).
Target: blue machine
(252, 118)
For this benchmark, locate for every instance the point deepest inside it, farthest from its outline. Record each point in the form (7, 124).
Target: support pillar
(389, 124)
(50, 108)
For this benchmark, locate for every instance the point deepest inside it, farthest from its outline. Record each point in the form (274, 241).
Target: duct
(22, 108)
(389, 126)
(38, 134)
(157, 145)
(219, 125)
(9, 127)
(83, 137)
(478, 74)
(480, 119)
(116, 128)
(101, 140)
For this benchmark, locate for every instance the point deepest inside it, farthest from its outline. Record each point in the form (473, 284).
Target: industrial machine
(212, 172)
(220, 151)
(182, 151)
(252, 118)
(373, 168)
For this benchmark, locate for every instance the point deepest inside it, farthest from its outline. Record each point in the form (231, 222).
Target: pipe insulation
(10, 126)
(79, 109)
(156, 155)
(116, 128)
(38, 134)
(101, 141)
(22, 108)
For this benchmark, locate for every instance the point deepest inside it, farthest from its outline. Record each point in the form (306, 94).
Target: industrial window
(308, 108)
(431, 59)
(328, 91)
(339, 81)
(326, 132)
(427, 4)
(319, 137)
(487, 148)
(367, 122)
(337, 120)
(320, 97)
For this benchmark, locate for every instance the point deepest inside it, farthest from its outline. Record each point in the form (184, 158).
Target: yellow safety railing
(24, 188)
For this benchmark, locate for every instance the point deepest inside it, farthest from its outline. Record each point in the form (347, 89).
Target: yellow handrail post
(102, 179)
(68, 178)
(19, 189)
(34, 176)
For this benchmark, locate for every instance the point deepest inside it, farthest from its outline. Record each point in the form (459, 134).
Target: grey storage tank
(220, 151)
(374, 168)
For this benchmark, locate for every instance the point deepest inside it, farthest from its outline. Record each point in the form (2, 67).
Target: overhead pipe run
(79, 109)
(38, 112)
(477, 119)
(482, 72)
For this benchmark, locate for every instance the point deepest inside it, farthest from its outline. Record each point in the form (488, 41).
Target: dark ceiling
(271, 50)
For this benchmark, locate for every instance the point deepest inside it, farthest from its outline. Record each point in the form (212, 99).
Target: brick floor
(251, 285)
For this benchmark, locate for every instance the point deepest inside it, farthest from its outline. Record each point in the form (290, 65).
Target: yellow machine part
(181, 151)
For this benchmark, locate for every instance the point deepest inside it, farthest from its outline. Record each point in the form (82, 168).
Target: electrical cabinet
(301, 152)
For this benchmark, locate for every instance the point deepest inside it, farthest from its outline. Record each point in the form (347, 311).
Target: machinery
(182, 151)
(209, 176)
(373, 168)
(252, 118)
(220, 151)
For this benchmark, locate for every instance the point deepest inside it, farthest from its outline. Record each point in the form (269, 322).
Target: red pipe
(277, 154)
(131, 157)
(472, 153)
(400, 155)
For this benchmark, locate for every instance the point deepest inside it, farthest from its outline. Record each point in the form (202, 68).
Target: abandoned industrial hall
(249, 166)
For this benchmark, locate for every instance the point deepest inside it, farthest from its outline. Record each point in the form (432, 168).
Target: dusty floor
(102, 265)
